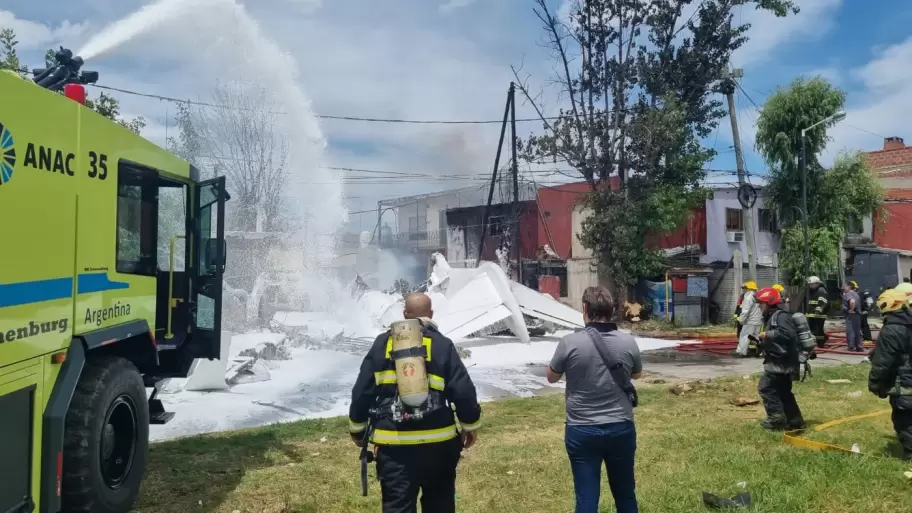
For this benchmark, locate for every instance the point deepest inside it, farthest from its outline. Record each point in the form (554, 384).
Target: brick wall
(893, 166)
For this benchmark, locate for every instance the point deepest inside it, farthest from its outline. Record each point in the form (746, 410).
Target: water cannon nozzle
(65, 71)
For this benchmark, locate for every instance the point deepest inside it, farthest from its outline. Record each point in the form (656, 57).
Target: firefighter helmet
(905, 288)
(750, 285)
(813, 279)
(853, 284)
(892, 300)
(780, 288)
(769, 296)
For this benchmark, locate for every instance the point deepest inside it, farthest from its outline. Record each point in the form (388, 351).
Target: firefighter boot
(775, 423)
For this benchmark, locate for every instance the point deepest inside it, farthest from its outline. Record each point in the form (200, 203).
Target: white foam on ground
(317, 384)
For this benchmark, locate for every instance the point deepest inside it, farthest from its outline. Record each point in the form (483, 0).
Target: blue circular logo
(7, 155)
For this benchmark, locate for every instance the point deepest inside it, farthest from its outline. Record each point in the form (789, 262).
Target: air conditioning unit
(735, 236)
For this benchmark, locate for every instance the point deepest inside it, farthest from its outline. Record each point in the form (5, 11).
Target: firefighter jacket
(780, 343)
(750, 310)
(891, 370)
(450, 389)
(867, 304)
(818, 304)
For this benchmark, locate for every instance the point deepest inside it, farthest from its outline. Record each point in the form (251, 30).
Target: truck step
(161, 418)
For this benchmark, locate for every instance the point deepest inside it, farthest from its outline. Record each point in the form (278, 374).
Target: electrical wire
(325, 116)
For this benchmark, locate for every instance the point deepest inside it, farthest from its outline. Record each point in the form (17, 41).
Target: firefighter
(891, 368)
(415, 447)
(781, 290)
(750, 319)
(780, 344)
(737, 315)
(867, 305)
(818, 306)
(851, 309)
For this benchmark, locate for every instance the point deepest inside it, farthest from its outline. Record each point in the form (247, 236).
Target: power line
(323, 116)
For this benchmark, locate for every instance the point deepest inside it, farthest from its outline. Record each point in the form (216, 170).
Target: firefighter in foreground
(781, 349)
(818, 306)
(411, 382)
(891, 369)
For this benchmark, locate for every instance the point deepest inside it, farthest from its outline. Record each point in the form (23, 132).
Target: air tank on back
(411, 373)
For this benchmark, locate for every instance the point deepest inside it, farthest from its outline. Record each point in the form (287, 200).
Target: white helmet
(813, 279)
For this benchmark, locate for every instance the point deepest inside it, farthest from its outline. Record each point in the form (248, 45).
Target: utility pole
(517, 215)
(746, 213)
(487, 210)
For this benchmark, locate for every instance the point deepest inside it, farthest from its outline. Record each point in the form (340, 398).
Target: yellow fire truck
(97, 304)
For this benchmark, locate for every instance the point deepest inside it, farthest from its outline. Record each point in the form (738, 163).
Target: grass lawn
(687, 444)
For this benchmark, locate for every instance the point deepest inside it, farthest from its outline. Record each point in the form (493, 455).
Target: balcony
(415, 240)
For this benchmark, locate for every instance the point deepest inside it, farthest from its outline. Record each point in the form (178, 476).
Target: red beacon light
(75, 92)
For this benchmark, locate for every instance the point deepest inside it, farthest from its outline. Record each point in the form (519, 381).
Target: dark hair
(598, 302)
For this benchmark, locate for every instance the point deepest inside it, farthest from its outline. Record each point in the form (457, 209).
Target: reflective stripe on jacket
(818, 304)
(448, 381)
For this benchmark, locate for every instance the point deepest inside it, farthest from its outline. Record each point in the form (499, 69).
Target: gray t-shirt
(592, 395)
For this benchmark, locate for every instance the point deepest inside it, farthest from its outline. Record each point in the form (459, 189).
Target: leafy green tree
(9, 59)
(637, 104)
(845, 191)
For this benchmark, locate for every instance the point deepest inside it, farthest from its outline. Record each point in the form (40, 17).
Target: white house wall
(718, 249)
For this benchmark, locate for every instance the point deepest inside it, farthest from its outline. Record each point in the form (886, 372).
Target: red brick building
(893, 167)
(556, 229)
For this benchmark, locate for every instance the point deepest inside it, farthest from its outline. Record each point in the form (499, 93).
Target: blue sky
(450, 59)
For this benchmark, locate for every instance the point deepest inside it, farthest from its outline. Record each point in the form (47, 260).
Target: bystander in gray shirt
(845, 302)
(592, 395)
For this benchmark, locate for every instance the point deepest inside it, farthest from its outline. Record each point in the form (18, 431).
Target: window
(137, 220)
(418, 227)
(733, 220)
(496, 226)
(766, 220)
(855, 225)
(172, 225)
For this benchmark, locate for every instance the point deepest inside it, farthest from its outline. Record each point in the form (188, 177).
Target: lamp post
(839, 116)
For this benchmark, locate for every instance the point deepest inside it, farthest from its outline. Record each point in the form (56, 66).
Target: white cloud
(830, 74)
(37, 35)
(768, 34)
(883, 105)
(452, 5)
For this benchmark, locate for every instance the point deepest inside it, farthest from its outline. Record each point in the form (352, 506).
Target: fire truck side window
(137, 220)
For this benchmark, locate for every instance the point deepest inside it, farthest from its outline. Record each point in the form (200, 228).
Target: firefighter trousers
(902, 424)
(406, 469)
(817, 328)
(865, 329)
(778, 400)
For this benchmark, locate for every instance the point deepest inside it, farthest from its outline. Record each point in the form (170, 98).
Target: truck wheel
(106, 440)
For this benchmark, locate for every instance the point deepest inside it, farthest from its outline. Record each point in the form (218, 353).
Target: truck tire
(106, 441)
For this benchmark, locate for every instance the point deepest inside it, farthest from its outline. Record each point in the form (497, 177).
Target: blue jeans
(588, 447)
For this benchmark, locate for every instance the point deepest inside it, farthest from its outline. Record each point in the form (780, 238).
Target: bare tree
(243, 138)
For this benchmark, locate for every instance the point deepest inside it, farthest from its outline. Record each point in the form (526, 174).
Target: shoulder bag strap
(618, 373)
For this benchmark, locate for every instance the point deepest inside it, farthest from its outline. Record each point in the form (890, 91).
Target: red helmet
(769, 296)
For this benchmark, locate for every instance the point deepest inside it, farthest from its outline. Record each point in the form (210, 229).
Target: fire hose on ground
(724, 343)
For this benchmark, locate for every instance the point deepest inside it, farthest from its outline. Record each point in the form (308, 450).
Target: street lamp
(839, 116)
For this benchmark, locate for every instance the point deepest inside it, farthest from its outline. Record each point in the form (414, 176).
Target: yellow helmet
(780, 288)
(905, 288)
(750, 285)
(892, 300)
